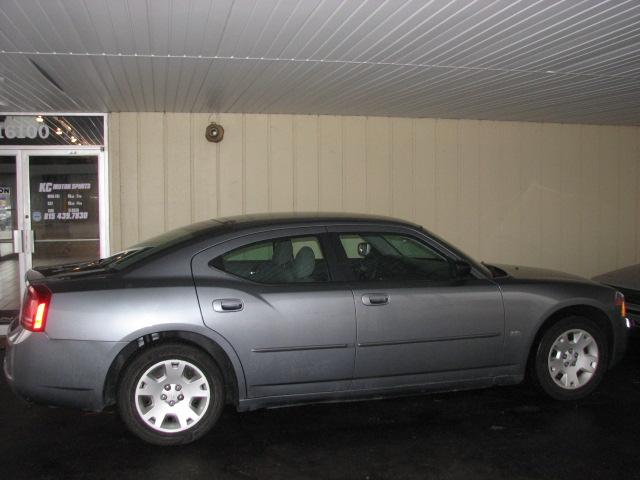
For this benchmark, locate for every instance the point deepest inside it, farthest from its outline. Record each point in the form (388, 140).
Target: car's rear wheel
(171, 394)
(571, 358)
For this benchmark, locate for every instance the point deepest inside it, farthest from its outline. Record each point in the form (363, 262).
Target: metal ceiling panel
(544, 60)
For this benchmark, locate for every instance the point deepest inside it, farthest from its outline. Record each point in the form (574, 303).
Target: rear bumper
(68, 373)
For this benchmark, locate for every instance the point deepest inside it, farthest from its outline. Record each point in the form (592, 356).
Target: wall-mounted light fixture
(214, 133)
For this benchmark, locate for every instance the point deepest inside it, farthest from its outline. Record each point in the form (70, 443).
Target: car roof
(196, 232)
(241, 222)
(203, 231)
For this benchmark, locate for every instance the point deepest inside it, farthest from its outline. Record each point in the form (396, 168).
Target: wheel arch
(135, 347)
(593, 313)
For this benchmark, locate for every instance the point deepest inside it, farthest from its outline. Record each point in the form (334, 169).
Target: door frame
(26, 199)
(22, 154)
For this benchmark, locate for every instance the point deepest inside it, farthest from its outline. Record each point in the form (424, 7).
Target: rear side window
(280, 260)
(389, 256)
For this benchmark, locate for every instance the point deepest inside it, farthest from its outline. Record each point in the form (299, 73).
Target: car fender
(568, 304)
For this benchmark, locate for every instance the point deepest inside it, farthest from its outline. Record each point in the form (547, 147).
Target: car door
(270, 295)
(417, 322)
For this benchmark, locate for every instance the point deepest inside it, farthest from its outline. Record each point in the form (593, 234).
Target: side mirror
(461, 268)
(364, 249)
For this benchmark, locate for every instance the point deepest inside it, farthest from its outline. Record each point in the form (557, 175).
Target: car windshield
(153, 245)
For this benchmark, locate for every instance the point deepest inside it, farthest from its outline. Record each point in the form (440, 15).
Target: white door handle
(17, 241)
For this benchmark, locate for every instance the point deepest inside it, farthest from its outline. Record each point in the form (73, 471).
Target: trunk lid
(67, 271)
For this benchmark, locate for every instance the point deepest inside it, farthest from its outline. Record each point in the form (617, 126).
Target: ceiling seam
(320, 61)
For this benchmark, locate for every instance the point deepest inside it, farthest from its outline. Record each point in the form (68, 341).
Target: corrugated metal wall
(552, 195)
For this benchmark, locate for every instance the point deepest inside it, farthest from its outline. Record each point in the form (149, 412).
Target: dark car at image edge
(282, 309)
(627, 281)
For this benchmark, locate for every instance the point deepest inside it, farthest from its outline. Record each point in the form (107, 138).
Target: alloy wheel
(172, 396)
(573, 359)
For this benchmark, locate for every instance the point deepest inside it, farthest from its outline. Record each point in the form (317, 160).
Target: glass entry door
(64, 204)
(51, 212)
(9, 254)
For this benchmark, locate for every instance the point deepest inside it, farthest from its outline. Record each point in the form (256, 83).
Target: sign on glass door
(64, 203)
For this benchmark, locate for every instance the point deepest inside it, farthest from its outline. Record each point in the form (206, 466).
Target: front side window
(391, 256)
(280, 260)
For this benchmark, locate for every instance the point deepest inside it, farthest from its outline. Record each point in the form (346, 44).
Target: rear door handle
(375, 299)
(224, 305)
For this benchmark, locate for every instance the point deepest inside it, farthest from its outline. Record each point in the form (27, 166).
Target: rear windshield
(154, 245)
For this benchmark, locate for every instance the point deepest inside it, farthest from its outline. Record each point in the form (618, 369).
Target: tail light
(620, 304)
(35, 308)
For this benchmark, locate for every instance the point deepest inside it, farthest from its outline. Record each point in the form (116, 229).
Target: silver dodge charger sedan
(272, 310)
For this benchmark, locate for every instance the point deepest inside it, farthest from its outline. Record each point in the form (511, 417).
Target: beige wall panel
(129, 193)
(330, 168)
(530, 218)
(281, 162)
(509, 169)
(354, 164)
(589, 190)
(490, 202)
(378, 169)
(151, 174)
(571, 202)
(306, 151)
(628, 197)
(636, 155)
(204, 169)
(177, 198)
(256, 175)
(231, 166)
(560, 196)
(551, 196)
(115, 223)
(608, 208)
(402, 168)
(447, 176)
(469, 195)
(424, 181)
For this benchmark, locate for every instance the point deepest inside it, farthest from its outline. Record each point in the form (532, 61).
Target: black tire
(144, 361)
(541, 369)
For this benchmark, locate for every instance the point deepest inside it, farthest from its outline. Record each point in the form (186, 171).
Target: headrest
(305, 263)
(283, 252)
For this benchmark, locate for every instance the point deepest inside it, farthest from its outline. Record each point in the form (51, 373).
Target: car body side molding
(429, 340)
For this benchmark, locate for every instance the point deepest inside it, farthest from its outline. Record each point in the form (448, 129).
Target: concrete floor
(509, 432)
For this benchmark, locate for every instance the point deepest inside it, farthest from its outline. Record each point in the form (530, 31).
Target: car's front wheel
(571, 358)
(171, 394)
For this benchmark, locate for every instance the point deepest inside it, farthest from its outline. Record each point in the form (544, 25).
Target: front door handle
(375, 299)
(224, 305)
